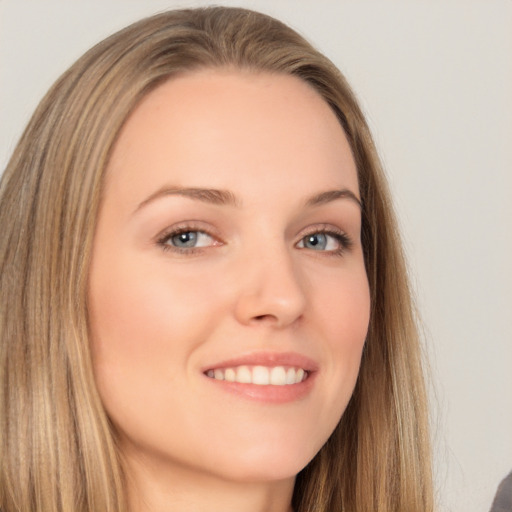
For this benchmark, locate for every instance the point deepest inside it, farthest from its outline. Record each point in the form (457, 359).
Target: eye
(318, 242)
(326, 241)
(186, 240)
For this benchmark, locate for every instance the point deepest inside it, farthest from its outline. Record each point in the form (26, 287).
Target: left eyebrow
(332, 195)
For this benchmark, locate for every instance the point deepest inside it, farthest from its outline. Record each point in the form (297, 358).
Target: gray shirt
(503, 499)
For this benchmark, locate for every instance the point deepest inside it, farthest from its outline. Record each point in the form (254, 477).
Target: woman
(208, 304)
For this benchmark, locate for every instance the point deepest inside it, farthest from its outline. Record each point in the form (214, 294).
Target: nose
(270, 291)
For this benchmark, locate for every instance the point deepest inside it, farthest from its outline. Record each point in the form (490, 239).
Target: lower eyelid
(206, 239)
(201, 235)
(341, 237)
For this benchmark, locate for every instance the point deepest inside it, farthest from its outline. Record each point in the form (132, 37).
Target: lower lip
(269, 394)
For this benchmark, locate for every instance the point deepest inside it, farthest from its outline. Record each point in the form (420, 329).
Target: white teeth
(278, 376)
(290, 376)
(244, 375)
(260, 375)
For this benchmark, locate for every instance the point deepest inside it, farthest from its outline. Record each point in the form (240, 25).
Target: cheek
(146, 326)
(142, 305)
(344, 313)
(343, 304)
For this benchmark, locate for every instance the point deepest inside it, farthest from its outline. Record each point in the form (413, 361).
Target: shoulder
(503, 499)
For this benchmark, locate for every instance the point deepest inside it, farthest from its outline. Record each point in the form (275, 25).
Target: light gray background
(435, 79)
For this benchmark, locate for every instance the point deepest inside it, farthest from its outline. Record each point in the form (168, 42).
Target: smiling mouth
(260, 375)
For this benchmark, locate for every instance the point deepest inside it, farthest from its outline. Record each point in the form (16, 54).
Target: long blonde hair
(58, 448)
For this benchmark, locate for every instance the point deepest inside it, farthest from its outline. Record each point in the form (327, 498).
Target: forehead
(232, 128)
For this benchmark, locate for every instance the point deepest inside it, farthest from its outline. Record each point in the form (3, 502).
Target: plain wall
(435, 79)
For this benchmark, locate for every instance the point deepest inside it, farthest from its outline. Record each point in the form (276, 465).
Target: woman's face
(229, 301)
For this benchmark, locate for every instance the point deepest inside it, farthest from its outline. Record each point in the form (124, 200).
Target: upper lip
(267, 359)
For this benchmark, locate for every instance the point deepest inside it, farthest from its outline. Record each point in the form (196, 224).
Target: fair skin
(228, 296)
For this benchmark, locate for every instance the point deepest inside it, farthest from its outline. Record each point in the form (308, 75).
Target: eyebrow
(206, 195)
(225, 197)
(333, 195)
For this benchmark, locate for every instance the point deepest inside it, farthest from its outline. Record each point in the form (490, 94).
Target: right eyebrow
(206, 195)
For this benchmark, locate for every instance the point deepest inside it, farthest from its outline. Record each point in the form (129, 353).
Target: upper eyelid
(161, 241)
(206, 228)
(322, 228)
(346, 241)
(341, 236)
(183, 227)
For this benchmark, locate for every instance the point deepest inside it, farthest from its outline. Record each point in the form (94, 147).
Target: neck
(153, 488)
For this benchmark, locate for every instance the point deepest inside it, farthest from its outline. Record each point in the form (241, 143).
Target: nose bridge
(272, 288)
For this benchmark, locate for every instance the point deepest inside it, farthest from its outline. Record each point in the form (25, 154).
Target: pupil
(186, 239)
(316, 241)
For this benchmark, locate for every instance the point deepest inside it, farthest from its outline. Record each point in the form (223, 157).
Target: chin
(265, 463)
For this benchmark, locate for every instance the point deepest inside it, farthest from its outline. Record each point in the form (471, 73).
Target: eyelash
(344, 241)
(178, 230)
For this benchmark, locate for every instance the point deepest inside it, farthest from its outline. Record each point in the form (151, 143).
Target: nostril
(261, 318)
